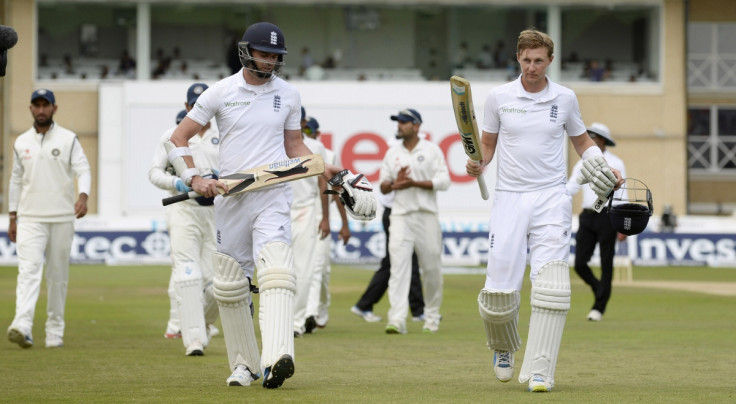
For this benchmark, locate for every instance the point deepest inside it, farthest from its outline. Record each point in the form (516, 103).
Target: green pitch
(653, 346)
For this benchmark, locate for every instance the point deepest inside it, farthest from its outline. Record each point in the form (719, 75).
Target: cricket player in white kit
(42, 209)
(191, 226)
(258, 117)
(308, 208)
(318, 301)
(416, 170)
(524, 126)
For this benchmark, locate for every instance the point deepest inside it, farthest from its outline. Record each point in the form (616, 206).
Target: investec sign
(460, 248)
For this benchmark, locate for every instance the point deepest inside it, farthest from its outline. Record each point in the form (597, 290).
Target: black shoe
(274, 375)
(309, 325)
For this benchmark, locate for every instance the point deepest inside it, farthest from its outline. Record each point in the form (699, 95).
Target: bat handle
(179, 198)
(482, 185)
(483, 188)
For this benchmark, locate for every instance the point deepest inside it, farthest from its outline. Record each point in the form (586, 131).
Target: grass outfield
(653, 346)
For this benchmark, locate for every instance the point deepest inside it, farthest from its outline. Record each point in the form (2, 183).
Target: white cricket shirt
(205, 152)
(426, 162)
(251, 120)
(306, 190)
(531, 134)
(42, 181)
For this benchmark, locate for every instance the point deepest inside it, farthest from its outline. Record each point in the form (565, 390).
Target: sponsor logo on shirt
(507, 110)
(235, 103)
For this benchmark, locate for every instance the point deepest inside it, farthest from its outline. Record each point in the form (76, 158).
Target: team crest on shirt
(420, 158)
(553, 113)
(55, 152)
(215, 141)
(276, 103)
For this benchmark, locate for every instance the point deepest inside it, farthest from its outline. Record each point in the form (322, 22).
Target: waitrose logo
(506, 110)
(236, 103)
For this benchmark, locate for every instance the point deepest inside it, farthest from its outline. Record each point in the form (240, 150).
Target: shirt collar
(549, 93)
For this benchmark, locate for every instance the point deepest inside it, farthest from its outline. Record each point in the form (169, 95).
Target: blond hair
(533, 39)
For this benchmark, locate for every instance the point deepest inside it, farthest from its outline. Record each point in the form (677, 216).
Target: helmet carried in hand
(630, 207)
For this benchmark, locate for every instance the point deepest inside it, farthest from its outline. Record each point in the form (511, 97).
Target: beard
(43, 121)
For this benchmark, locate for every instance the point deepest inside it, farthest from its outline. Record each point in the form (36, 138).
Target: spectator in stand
(126, 67)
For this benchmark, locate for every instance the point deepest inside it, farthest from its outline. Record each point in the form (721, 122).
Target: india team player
(191, 226)
(258, 117)
(524, 126)
(42, 209)
(416, 170)
(318, 302)
(308, 214)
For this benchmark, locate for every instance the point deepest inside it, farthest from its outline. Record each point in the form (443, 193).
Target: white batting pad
(550, 301)
(188, 286)
(277, 285)
(500, 313)
(210, 305)
(231, 289)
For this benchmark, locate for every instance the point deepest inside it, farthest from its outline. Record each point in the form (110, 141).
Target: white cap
(599, 129)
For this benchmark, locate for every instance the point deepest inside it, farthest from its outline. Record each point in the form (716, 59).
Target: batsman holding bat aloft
(258, 117)
(524, 125)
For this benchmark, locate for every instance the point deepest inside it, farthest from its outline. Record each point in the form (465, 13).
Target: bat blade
(264, 176)
(462, 105)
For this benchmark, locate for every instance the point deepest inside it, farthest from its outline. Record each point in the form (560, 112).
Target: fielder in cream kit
(307, 207)
(258, 116)
(191, 226)
(524, 129)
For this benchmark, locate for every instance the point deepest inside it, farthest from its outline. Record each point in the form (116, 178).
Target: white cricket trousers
(304, 235)
(537, 221)
(34, 239)
(418, 232)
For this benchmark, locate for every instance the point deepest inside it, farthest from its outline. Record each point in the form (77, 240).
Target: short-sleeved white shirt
(531, 134)
(251, 120)
(306, 190)
(426, 163)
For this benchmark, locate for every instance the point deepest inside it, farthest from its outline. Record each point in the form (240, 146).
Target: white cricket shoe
(195, 349)
(366, 315)
(431, 326)
(54, 341)
(595, 315)
(241, 377)
(212, 331)
(172, 334)
(539, 384)
(503, 365)
(418, 319)
(18, 336)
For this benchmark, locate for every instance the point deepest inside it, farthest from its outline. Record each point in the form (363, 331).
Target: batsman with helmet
(258, 115)
(525, 124)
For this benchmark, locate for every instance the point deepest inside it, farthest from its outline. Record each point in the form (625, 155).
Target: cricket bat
(264, 176)
(462, 104)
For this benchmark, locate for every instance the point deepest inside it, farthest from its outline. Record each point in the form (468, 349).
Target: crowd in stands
(489, 64)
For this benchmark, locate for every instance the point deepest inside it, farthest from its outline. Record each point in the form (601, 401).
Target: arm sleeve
(157, 174)
(575, 125)
(441, 178)
(80, 166)
(491, 119)
(206, 106)
(16, 184)
(386, 174)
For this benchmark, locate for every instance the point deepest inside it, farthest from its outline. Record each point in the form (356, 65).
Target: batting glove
(356, 195)
(598, 174)
(180, 185)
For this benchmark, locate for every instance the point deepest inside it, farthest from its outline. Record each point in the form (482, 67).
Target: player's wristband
(187, 175)
(591, 152)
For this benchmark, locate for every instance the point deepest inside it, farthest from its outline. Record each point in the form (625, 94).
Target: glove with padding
(598, 174)
(356, 195)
